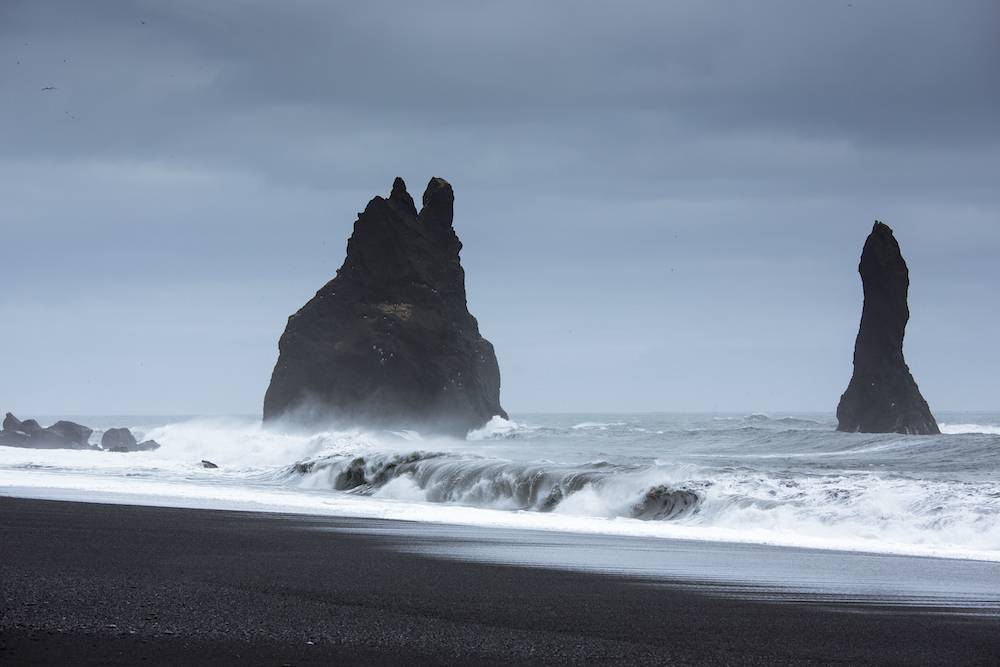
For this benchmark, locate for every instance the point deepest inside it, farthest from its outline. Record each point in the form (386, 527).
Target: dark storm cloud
(876, 73)
(650, 164)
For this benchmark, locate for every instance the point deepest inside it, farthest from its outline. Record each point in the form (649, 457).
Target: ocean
(780, 479)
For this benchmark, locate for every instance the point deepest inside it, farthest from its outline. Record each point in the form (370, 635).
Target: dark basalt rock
(882, 396)
(13, 439)
(208, 464)
(28, 433)
(72, 432)
(118, 440)
(11, 423)
(27, 427)
(122, 440)
(389, 342)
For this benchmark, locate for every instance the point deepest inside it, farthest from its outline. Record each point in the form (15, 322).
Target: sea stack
(390, 342)
(882, 396)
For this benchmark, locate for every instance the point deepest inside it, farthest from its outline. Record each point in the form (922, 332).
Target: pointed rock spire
(882, 396)
(390, 341)
(401, 198)
(439, 205)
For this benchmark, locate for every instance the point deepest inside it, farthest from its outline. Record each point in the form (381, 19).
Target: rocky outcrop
(389, 342)
(71, 432)
(29, 433)
(118, 439)
(12, 424)
(882, 396)
(122, 440)
(67, 435)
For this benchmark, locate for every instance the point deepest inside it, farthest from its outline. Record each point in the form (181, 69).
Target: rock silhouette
(390, 342)
(882, 396)
(29, 433)
(67, 435)
(118, 439)
(122, 440)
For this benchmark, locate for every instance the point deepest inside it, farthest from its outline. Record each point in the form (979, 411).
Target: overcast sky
(662, 204)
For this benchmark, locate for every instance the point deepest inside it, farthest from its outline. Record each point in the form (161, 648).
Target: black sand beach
(113, 584)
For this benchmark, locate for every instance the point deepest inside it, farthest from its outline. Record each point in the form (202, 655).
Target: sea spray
(787, 479)
(438, 477)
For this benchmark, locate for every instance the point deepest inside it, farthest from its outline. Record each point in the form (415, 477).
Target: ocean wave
(759, 419)
(853, 505)
(763, 481)
(598, 426)
(960, 429)
(844, 504)
(500, 428)
(597, 489)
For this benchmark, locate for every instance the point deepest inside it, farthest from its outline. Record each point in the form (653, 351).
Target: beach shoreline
(122, 584)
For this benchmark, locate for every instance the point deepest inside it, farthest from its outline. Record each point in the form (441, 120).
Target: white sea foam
(497, 427)
(241, 497)
(958, 429)
(777, 483)
(599, 426)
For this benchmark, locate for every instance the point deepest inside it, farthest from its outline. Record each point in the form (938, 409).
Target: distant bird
(49, 88)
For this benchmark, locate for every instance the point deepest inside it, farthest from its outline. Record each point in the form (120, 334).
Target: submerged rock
(882, 396)
(389, 342)
(208, 464)
(29, 433)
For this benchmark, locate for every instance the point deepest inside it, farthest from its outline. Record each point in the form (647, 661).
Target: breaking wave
(498, 427)
(959, 429)
(786, 479)
(439, 477)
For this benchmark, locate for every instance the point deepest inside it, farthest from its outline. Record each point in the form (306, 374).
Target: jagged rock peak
(882, 396)
(390, 341)
(439, 203)
(400, 197)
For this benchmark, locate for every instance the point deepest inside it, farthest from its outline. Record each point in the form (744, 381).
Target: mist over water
(781, 479)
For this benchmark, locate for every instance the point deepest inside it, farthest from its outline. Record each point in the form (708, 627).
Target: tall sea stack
(882, 396)
(390, 342)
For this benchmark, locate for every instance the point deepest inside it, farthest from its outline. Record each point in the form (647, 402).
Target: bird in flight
(49, 88)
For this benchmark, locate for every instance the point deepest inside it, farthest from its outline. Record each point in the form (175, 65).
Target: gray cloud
(662, 204)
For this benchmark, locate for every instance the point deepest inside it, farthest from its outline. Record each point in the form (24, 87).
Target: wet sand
(116, 584)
